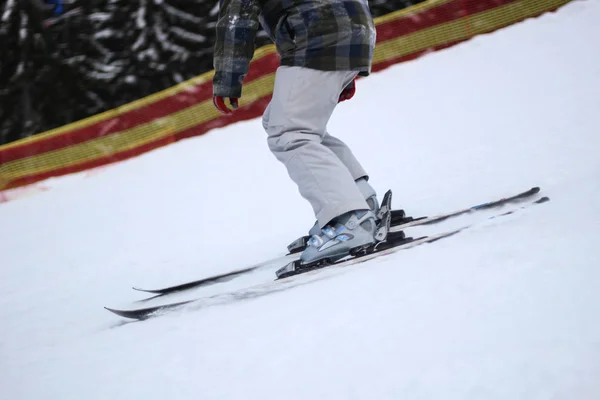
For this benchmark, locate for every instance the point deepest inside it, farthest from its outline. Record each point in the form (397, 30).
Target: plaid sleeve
(235, 32)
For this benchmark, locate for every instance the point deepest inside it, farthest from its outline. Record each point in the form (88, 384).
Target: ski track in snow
(506, 310)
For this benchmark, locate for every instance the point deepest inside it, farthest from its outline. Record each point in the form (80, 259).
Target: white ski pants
(321, 165)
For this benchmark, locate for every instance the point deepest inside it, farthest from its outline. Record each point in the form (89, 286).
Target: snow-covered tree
(42, 82)
(101, 54)
(149, 45)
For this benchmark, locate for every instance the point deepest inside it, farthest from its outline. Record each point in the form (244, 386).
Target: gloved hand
(348, 91)
(219, 102)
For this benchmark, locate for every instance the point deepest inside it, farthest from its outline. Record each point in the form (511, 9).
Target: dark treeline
(59, 66)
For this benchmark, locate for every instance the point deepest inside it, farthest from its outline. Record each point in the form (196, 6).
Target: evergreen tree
(150, 45)
(59, 69)
(42, 79)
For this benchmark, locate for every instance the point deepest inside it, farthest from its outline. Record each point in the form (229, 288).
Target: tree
(110, 53)
(44, 83)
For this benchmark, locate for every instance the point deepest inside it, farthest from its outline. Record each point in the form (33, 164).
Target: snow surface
(507, 310)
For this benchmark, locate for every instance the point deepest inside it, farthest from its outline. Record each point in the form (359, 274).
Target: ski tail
(201, 282)
(145, 313)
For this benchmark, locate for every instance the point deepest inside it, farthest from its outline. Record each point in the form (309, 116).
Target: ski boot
(356, 233)
(352, 231)
(370, 197)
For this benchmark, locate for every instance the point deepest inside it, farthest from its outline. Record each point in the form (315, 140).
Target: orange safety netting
(186, 110)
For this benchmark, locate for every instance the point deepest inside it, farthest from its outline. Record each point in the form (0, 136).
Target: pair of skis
(396, 241)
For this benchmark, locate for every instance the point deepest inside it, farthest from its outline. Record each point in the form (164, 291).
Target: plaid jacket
(328, 35)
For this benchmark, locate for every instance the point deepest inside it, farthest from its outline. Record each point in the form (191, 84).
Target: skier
(323, 45)
(57, 6)
(43, 13)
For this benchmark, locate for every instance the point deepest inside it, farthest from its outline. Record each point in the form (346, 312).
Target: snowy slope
(507, 310)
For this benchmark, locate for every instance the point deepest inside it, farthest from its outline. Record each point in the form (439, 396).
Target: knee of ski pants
(277, 143)
(265, 118)
(277, 139)
(272, 137)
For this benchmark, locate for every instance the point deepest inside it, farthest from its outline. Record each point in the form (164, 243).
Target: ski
(211, 280)
(479, 207)
(385, 212)
(392, 245)
(399, 221)
(254, 291)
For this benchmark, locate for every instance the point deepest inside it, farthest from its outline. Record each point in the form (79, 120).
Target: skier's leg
(295, 121)
(343, 152)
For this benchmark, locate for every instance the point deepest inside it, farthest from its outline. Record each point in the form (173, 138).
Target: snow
(104, 33)
(190, 36)
(182, 14)
(140, 41)
(130, 79)
(506, 310)
(214, 11)
(99, 16)
(115, 67)
(8, 9)
(23, 33)
(163, 39)
(140, 21)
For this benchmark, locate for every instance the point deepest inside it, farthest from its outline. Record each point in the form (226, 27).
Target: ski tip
(123, 313)
(535, 189)
(146, 290)
(542, 200)
(114, 311)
